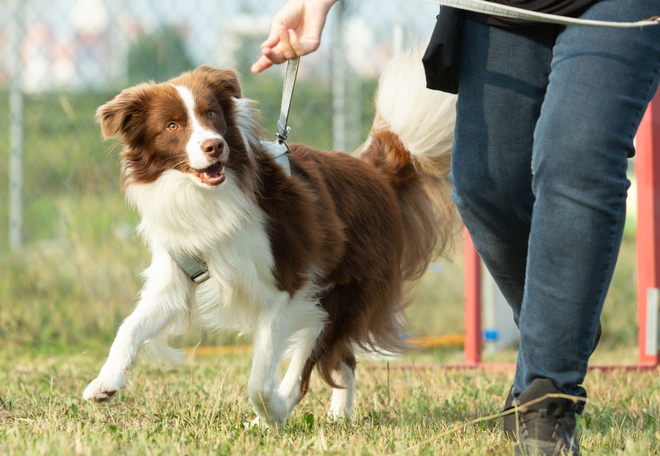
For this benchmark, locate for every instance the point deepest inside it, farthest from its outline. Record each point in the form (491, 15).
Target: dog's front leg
(269, 346)
(164, 297)
(299, 370)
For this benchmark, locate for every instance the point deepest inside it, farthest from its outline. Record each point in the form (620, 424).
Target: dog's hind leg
(341, 404)
(164, 299)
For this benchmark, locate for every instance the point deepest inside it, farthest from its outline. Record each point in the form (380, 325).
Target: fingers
(273, 38)
(262, 64)
(285, 48)
(297, 46)
(288, 47)
(269, 58)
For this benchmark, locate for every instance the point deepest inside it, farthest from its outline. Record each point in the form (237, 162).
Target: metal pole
(647, 171)
(397, 40)
(16, 110)
(472, 287)
(118, 44)
(339, 82)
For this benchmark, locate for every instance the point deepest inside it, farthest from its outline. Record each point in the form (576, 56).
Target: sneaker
(546, 427)
(509, 421)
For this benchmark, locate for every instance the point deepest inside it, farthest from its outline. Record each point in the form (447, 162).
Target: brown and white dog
(314, 265)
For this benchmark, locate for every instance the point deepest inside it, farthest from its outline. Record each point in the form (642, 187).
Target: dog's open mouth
(213, 175)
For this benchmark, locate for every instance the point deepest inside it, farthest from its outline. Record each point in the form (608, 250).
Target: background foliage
(76, 274)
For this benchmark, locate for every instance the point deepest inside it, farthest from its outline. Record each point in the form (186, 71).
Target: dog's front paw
(255, 424)
(269, 408)
(102, 390)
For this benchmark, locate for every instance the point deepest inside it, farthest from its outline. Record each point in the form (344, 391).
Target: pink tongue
(212, 175)
(211, 179)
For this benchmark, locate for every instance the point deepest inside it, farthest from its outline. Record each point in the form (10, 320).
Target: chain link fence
(67, 240)
(60, 59)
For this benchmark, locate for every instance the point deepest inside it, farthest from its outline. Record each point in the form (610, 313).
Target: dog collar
(279, 150)
(190, 264)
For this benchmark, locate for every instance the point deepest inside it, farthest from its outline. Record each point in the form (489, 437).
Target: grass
(201, 408)
(63, 299)
(67, 300)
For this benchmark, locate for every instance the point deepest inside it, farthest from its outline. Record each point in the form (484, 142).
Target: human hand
(294, 31)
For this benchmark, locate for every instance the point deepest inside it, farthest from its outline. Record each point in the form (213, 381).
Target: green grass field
(201, 408)
(57, 329)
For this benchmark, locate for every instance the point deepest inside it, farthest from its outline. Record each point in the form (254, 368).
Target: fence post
(16, 109)
(118, 44)
(647, 172)
(339, 81)
(472, 289)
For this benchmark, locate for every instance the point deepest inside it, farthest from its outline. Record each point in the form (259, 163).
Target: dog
(315, 265)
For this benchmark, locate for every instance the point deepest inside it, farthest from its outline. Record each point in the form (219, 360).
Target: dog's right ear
(116, 115)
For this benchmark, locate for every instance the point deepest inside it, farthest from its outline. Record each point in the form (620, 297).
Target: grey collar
(190, 264)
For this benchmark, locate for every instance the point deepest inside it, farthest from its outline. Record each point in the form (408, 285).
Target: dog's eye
(172, 126)
(211, 114)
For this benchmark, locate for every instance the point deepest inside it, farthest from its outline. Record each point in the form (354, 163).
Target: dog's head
(192, 124)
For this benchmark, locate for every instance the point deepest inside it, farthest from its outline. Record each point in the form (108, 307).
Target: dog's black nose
(212, 147)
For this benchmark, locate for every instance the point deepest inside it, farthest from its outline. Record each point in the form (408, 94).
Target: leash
(279, 148)
(195, 268)
(496, 9)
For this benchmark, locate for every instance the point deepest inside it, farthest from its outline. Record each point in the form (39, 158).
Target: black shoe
(509, 421)
(546, 427)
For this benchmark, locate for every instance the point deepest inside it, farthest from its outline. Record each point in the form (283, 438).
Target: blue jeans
(545, 124)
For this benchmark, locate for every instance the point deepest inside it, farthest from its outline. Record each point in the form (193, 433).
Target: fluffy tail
(423, 119)
(410, 144)
(411, 141)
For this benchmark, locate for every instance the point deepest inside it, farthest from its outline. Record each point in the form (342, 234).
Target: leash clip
(281, 137)
(280, 149)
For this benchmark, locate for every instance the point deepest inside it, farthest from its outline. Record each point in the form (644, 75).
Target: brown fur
(379, 222)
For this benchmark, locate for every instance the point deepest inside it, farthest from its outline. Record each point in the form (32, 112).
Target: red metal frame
(472, 286)
(647, 171)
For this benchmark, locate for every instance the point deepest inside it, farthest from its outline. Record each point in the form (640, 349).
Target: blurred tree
(158, 56)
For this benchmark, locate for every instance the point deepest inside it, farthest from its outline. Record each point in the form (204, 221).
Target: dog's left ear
(225, 81)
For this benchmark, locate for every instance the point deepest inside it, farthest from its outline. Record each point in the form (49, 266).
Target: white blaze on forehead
(197, 158)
